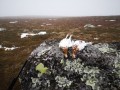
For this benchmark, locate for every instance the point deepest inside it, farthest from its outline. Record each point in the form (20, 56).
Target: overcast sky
(59, 7)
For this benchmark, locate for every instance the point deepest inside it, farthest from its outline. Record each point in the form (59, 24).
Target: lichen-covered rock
(96, 67)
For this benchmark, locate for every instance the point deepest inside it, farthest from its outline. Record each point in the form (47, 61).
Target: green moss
(40, 67)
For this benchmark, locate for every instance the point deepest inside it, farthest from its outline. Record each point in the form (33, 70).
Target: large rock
(96, 67)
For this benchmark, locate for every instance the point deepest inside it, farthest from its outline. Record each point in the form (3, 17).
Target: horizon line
(56, 16)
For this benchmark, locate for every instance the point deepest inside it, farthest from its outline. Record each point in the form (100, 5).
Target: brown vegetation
(12, 61)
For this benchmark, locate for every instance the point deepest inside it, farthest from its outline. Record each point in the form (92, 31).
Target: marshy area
(14, 50)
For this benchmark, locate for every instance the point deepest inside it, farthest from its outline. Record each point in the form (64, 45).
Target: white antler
(70, 37)
(67, 36)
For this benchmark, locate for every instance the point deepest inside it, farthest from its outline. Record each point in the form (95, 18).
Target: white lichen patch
(92, 82)
(62, 61)
(39, 75)
(63, 81)
(35, 81)
(90, 76)
(74, 66)
(104, 48)
(117, 65)
(91, 70)
(88, 72)
(43, 51)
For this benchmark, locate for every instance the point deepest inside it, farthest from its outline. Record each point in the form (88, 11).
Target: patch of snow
(51, 19)
(112, 20)
(32, 34)
(96, 38)
(41, 25)
(47, 24)
(10, 48)
(99, 25)
(23, 35)
(54, 32)
(0, 46)
(13, 22)
(42, 33)
(89, 26)
(2, 29)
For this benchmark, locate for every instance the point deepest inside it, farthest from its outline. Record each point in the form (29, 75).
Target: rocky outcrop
(96, 67)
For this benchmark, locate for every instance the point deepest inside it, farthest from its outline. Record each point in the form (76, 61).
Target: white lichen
(88, 72)
(35, 81)
(104, 48)
(74, 66)
(63, 81)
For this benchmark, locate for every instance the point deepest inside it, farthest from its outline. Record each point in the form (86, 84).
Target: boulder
(96, 67)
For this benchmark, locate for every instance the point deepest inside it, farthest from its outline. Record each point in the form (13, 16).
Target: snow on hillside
(2, 29)
(8, 48)
(23, 35)
(89, 26)
(12, 22)
(42, 33)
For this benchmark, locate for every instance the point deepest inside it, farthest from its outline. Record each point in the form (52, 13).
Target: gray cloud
(59, 7)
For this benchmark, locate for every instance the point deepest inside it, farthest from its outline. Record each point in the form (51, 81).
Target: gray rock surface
(96, 67)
